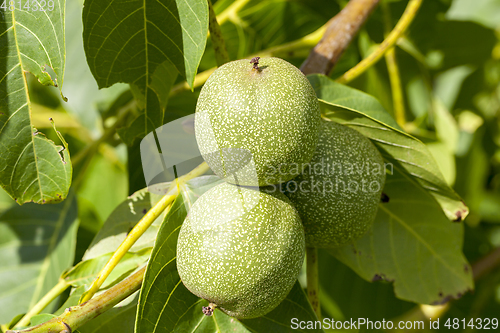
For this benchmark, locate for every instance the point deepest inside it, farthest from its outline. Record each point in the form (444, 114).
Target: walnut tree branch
(340, 31)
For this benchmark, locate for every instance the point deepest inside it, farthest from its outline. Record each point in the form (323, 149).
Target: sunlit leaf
(132, 41)
(413, 245)
(33, 168)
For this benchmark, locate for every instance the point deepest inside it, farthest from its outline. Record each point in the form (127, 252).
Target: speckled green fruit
(337, 195)
(241, 249)
(270, 113)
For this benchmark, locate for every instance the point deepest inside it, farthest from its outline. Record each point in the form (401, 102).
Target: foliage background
(449, 64)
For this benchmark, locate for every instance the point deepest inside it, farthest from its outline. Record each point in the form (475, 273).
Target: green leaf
(126, 40)
(335, 93)
(120, 222)
(132, 41)
(85, 272)
(33, 167)
(398, 148)
(103, 169)
(37, 243)
(485, 12)
(345, 295)
(162, 81)
(85, 99)
(412, 244)
(5, 201)
(165, 305)
(40, 318)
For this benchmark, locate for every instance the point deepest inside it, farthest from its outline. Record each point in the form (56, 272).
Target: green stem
(313, 279)
(140, 228)
(231, 11)
(76, 316)
(221, 55)
(61, 286)
(396, 87)
(388, 43)
(394, 76)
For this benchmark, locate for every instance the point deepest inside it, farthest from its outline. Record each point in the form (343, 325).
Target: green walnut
(256, 121)
(241, 249)
(338, 193)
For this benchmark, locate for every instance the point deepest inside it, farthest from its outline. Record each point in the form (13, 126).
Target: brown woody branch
(486, 264)
(340, 31)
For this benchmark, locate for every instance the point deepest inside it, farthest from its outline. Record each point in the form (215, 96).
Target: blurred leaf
(485, 12)
(37, 243)
(355, 297)
(85, 272)
(444, 159)
(104, 186)
(5, 201)
(397, 147)
(447, 84)
(41, 318)
(452, 43)
(413, 245)
(418, 97)
(489, 207)
(166, 305)
(118, 225)
(446, 126)
(33, 167)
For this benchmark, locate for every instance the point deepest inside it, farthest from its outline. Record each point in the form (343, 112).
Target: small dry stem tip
(255, 62)
(209, 310)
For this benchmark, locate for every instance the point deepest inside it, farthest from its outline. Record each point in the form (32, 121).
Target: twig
(389, 42)
(340, 31)
(313, 279)
(218, 44)
(140, 228)
(76, 316)
(398, 102)
(486, 264)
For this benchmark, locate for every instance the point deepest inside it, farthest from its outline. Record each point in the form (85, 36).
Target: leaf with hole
(413, 245)
(34, 169)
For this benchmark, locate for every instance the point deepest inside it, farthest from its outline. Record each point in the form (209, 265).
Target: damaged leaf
(33, 168)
